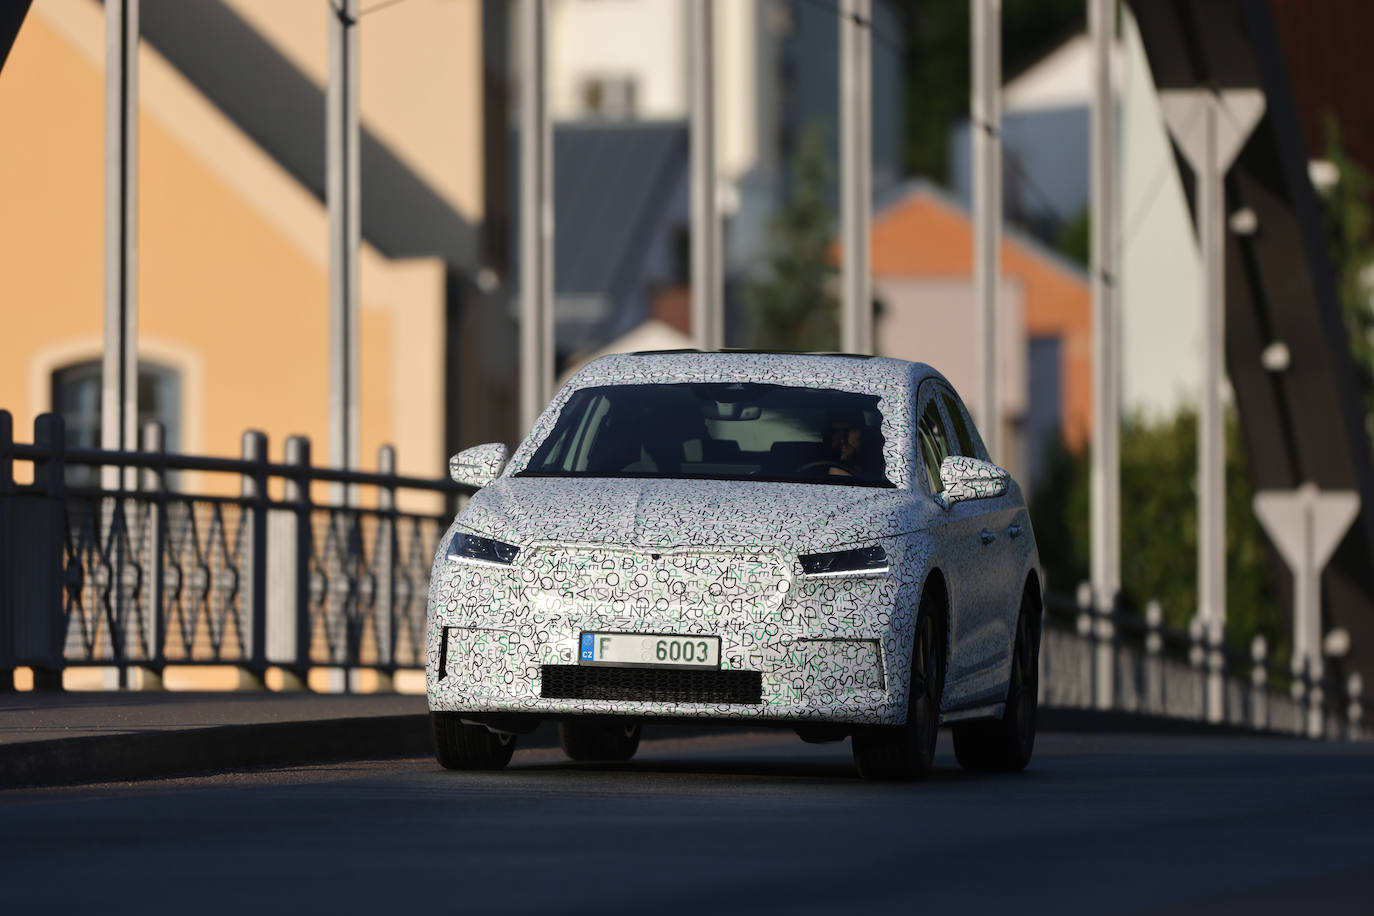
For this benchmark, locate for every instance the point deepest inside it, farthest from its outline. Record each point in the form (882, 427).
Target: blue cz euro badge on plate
(588, 647)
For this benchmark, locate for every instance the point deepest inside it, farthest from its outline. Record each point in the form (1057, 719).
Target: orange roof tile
(924, 235)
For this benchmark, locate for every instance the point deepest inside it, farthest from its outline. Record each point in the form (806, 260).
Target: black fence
(136, 574)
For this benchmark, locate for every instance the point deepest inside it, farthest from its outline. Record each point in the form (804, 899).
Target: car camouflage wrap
(976, 480)
(701, 557)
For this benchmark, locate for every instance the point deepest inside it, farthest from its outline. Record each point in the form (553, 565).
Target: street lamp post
(119, 365)
(707, 311)
(1105, 477)
(986, 116)
(536, 218)
(342, 196)
(1210, 127)
(856, 174)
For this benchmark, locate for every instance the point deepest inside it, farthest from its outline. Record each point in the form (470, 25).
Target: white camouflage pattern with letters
(694, 557)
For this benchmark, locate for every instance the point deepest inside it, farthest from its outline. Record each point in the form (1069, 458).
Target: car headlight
(860, 561)
(472, 548)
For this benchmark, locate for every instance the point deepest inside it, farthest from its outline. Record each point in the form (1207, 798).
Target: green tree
(793, 306)
(1075, 238)
(1350, 234)
(1159, 528)
(936, 34)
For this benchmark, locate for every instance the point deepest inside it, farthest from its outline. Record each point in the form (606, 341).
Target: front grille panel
(702, 590)
(650, 685)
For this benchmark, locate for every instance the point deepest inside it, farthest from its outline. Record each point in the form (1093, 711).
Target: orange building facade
(922, 249)
(232, 265)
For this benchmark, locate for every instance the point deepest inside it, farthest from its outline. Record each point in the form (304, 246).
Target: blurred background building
(232, 233)
(232, 229)
(619, 70)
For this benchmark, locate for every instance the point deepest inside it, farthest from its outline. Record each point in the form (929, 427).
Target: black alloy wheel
(606, 741)
(908, 751)
(459, 746)
(1006, 744)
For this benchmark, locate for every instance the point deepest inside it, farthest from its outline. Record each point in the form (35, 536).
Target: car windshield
(718, 431)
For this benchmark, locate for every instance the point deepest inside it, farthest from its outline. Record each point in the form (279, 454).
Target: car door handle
(987, 537)
(1014, 531)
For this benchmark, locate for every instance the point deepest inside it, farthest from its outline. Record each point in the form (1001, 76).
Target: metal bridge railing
(1135, 664)
(144, 576)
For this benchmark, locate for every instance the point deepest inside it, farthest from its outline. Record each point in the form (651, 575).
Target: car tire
(458, 746)
(908, 751)
(1006, 744)
(606, 741)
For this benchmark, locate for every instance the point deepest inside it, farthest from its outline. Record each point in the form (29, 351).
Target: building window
(609, 97)
(76, 399)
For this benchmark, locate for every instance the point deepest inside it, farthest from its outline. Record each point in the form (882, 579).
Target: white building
(777, 74)
(1046, 177)
(1161, 268)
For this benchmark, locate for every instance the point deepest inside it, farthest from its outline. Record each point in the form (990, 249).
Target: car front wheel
(908, 751)
(458, 746)
(599, 740)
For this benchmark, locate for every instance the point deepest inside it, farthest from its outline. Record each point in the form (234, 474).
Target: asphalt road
(739, 824)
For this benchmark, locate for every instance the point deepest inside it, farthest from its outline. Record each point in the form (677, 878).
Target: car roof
(660, 366)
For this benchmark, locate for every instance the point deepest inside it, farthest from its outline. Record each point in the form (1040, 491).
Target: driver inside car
(844, 446)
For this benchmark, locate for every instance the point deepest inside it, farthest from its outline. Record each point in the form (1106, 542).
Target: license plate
(649, 650)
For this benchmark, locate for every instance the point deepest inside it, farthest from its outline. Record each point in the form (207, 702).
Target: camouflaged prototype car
(817, 542)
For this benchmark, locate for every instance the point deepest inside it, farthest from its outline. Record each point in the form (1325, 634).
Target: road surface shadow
(787, 769)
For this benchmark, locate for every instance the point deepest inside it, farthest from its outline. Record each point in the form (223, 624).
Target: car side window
(979, 449)
(934, 443)
(961, 440)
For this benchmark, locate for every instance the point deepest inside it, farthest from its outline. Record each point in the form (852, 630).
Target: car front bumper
(792, 649)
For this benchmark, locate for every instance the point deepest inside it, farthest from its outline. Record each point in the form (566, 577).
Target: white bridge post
(1306, 525)
(1210, 127)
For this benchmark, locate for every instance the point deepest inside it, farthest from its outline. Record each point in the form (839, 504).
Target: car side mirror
(970, 478)
(479, 465)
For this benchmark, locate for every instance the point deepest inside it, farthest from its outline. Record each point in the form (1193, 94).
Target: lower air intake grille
(650, 685)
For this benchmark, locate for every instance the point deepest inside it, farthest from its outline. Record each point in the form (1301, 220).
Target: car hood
(794, 517)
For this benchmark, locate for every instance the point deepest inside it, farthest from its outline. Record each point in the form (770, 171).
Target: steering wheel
(825, 463)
